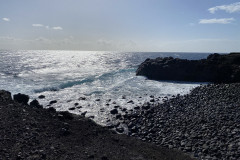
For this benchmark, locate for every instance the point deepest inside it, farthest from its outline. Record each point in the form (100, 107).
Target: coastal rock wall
(216, 68)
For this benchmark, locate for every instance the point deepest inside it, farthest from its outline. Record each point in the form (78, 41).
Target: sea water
(104, 79)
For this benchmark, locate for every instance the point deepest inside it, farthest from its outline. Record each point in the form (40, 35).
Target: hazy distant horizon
(126, 25)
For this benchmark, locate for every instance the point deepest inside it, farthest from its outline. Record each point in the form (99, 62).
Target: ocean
(94, 81)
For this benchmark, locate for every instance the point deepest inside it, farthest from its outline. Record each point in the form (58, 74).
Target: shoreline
(204, 124)
(32, 132)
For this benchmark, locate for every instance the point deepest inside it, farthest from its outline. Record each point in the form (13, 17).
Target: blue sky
(121, 25)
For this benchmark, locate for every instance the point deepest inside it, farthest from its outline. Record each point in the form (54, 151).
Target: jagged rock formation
(216, 68)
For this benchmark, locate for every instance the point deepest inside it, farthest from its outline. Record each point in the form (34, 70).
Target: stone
(84, 113)
(119, 129)
(118, 116)
(41, 97)
(130, 102)
(52, 102)
(35, 103)
(114, 111)
(82, 98)
(21, 98)
(5, 96)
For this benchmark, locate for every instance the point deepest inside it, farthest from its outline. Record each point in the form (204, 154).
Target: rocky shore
(32, 132)
(204, 124)
(216, 68)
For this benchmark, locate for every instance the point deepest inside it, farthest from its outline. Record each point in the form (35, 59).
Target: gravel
(204, 124)
(33, 133)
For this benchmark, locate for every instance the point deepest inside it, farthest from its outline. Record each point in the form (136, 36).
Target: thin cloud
(47, 27)
(231, 8)
(216, 21)
(57, 28)
(37, 25)
(6, 19)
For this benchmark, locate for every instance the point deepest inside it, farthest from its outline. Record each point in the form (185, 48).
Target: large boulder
(216, 68)
(5, 96)
(21, 98)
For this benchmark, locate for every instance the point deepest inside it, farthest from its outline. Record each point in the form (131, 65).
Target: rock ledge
(216, 68)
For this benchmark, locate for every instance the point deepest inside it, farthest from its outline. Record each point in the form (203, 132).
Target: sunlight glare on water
(103, 78)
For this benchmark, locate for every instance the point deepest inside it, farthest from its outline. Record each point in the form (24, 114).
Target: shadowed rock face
(216, 68)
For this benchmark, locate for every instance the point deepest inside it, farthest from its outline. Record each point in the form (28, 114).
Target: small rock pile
(205, 124)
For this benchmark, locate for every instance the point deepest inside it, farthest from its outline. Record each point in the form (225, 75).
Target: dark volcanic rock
(21, 98)
(35, 103)
(204, 123)
(41, 97)
(5, 96)
(216, 68)
(52, 102)
(114, 111)
(37, 133)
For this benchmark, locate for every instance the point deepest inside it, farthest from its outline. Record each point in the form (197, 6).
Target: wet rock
(116, 106)
(84, 113)
(119, 129)
(35, 103)
(114, 111)
(124, 109)
(52, 102)
(152, 100)
(21, 98)
(137, 107)
(130, 102)
(41, 97)
(82, 98)
(118, 116)
(5, 96)
(124, 97)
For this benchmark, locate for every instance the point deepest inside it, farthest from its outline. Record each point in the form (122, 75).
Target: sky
(121, 25)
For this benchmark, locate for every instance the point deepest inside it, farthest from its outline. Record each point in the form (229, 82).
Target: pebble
(204, 123)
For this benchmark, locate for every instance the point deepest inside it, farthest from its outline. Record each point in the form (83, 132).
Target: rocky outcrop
(21, 98)
(216, 68)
